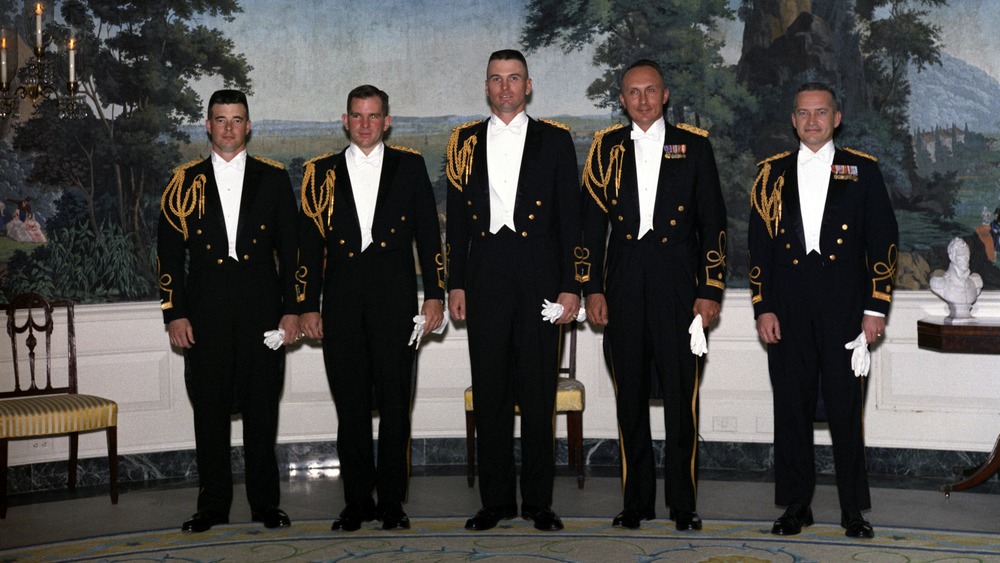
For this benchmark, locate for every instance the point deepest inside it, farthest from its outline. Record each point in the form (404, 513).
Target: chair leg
(3, 478)
(74, 450)
(574, 435)
(470, 448)
(113, 462)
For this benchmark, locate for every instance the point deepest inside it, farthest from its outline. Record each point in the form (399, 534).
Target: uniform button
(782, 230)
(664, 239)
(403, 218)
(482, 234)
(393, 230)
(673, 222)
(628, 237)
(342, 241)
(840, 241)
(208, 247)
(219, 261)
(614, 202)
(538, 203)
(844, 227)
(620, 218)
(263, 227)
(796, 261)
(382, 244)
(888, 289)
(350, 255)
(833, 257)
(524, 233)
(255, 241)
(531, 216)
(474, 217)
(198, 231)
(680, 208)
(468, 202)
(787, 246)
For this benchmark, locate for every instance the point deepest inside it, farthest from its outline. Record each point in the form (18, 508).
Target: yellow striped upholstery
(55, 414)
(570, 396)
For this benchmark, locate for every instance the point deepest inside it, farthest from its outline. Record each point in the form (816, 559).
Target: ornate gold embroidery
(768, 206)
(404, 149)
(316, 202)
(555, 123)
(603, 174)
(179, 203)
(693, 129)
(886, 274)
(460, 160)
(861, 154)
(300, 284)
(439, 260)
(266, 160)
(716, 263)
(165, 281)
(755, 286)
(582, 264)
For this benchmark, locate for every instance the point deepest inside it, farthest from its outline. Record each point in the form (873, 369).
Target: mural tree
(135, 63)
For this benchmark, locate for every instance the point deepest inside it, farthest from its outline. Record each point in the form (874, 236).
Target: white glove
(861, 359)
(552, 311)
(273, 339)
(418, 329)
(699, 345)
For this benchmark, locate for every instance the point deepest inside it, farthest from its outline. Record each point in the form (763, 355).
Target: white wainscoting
(918, 399)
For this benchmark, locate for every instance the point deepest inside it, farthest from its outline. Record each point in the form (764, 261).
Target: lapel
(251, 185)
(628, 194)
(344, 196)
(790, 202)
(532, 144)
(213, 202)
(390, 165)
(481, 172)
(835, 193)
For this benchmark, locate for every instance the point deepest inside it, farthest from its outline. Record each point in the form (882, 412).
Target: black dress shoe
(271, 516)
(352, 516)
(488, 517)
(544, 518)
(685, 520)
(630, 518)
(856, 525)
(793, 520)
(202, 521)
(393, 517)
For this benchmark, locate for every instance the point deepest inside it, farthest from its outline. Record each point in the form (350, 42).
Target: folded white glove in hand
(552, 311)
(273, 339)
(861, 359)
(699, 345)
(418, 328)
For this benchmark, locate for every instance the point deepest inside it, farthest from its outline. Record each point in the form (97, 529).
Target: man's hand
(290, 323)
(433, 312)
(873, 326)
(311, 324)
(571, 306)
(597, 309)
(456, 304)
(708, 309)
(769, 328)
(181, 333)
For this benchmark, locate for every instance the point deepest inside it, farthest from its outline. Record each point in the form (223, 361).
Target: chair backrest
(30, 317)
(570, 369)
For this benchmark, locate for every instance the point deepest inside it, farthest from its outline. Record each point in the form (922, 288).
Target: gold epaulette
(692, 129)
(861, 154)
(178, 203)
(320, 157)
(270, 162)
(774, 157)
(459, 165)
(607, 130)
(597, 175)
(405, 149)
(555, 123)
(180, 169)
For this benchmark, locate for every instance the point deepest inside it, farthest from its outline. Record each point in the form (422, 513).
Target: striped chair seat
(570, 396)
(55, 414)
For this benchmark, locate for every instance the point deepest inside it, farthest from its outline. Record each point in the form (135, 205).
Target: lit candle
(38, 25)
(3, 60)
(72, 60)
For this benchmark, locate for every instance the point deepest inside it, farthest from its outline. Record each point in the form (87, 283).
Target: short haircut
(368, 91)
(228, 97)
(817, 87)
(509, 55)
(641, 62)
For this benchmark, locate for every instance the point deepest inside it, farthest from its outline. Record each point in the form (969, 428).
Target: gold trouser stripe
(694, 417)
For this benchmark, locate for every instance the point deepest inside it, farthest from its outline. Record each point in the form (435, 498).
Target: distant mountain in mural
(955, 93)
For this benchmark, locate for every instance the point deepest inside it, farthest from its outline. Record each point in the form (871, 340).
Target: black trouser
(649, 311)
(514, 355)
(809, 359)
(230, 368)
(368, 309)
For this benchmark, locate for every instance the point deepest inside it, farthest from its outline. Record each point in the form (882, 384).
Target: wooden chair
(37, 407)
(570, 400)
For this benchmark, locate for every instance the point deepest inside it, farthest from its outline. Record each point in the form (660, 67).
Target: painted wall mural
(918, 81)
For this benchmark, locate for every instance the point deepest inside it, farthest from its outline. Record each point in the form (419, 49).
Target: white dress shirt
(365, 172)
(504, 149)
(229, 180)
(814, 182)
(648, 156)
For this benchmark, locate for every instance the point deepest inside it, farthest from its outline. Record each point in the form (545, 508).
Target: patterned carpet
(584, 539)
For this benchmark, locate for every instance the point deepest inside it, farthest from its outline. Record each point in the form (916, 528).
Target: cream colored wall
(918, 399)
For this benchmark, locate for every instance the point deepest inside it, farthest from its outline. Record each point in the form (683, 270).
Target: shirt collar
(824, 154)
(656, 131)
(516, 125)
(238, 162)
(374, 158)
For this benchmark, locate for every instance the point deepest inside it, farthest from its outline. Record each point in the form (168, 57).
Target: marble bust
(958, 286)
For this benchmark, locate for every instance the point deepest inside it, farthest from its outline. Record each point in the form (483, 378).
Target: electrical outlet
(40, 445)
(724, 423)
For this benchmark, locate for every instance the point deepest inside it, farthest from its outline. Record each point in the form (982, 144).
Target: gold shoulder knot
(320, 157)
(465, 125)
(269, 161)
(405, 149)
(693, 129)
(180, 169)
(555, 123)
(607, 130)
(861, 154)
(774, 157)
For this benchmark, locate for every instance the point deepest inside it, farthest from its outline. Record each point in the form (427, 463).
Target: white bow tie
(643, 136)
(806, 156)
(373, 161)
(501, 128)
